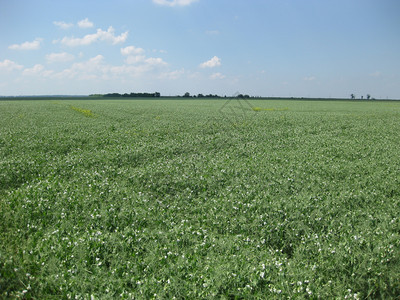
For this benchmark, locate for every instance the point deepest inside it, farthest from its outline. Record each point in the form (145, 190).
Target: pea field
(199, 199)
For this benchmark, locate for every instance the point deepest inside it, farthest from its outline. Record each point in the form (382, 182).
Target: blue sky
(295, 48)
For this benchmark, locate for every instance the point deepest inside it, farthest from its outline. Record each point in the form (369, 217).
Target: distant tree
(186, 95)
(212, 96)
(352, 96)
(368, 96)
(112, 95)
(200, 96)
(133, 95)
(362, 97)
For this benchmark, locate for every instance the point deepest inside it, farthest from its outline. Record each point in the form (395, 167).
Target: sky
(273, 48)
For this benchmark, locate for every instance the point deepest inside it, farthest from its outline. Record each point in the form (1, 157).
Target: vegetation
(85, 112)
(132, 95)
(158, 95)
(256, 108)
(163, 199)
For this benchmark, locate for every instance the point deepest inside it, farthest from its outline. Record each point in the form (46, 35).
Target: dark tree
(112, 95)
(352, 96)
(134, 95)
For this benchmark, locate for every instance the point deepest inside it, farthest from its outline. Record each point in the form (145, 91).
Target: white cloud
(310, 78)
(100, 35)
(97, 68)
(172, 75)
(173, 3)
(134, 59)
(59, 57)
(85, 23)
(213, 62)
(91, 63)
(217, 76)
(9, 65)
(65, 74)
(131, 70)
(63, 25)
(131, 50)
(152, 61)
(33, 71)
(147, 63)
(135, 56)
(27, 45)
(85, 70)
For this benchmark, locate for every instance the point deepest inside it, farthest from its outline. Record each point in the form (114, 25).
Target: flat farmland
(199, 199)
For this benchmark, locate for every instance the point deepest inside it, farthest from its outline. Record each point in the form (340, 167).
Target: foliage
(133, 95)
(256, 108)
(164, 199)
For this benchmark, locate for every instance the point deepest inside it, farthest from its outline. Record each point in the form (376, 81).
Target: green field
(199, 199)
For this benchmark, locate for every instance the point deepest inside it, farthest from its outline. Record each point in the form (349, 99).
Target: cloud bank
(85, 23)
(9, 65)
(27, 45)
(63, 25)
(212, 63)
(101, 35)
(131, 50)
(59, 57)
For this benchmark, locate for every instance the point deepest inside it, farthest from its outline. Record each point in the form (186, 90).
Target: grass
(256, 108)
(162, 199)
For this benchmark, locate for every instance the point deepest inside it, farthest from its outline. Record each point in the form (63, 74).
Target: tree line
(126, 95)
(157, 95)
(368, 97)
(187, 95)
